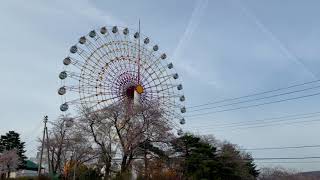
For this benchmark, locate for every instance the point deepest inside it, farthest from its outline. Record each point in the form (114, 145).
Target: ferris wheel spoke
(161, 83)
(120, 42)
(76, 63)
(103, 52)
(80, 65)
(93, 50)
(108, 39)
(103, 44)
(89, 99)
(89, 58)
(76, 76)
(77, 89)
(167, 103)
(167, 96)
(98, 57)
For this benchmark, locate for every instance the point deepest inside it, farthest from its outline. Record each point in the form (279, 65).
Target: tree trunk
(107, 169)
(8, 176)
(124, 163)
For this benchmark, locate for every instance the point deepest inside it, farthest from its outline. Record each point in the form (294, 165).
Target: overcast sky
(222, 49)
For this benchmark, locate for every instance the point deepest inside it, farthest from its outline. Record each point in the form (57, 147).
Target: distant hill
(311, 174)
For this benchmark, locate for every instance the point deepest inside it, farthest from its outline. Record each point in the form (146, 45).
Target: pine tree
(200, 161)
(12, 141)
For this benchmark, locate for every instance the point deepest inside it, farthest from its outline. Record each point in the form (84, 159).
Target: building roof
(30, 165)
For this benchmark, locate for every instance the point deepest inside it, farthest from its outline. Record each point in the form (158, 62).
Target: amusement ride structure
(114, 65)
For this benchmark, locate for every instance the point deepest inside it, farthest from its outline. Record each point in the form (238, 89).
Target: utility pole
(48, 146)
(45, 135)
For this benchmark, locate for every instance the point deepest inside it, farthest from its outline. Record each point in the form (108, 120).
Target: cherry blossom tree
(9, 161)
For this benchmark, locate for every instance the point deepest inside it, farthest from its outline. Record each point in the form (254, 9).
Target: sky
(222, 49)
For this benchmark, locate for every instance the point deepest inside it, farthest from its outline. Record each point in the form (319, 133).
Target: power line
(256, 122)
(268, 125)
(258, 159)
(256, 105)
(255, 94)
(287, 158)
(284, 147)
(289, 162)
(280, 118)
(256, 99)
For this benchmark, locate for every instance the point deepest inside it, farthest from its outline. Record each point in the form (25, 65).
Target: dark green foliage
(12, 141)
(236, 164)
(201, 160)
(89, 174)
(252, 167)
(150, 148)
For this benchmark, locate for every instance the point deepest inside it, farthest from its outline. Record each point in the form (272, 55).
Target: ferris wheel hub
(139, 89)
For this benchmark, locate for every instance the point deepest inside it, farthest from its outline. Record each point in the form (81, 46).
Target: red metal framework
(109, 66)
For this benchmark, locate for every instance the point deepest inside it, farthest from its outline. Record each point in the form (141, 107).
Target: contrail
(274, 39)
(192, 25)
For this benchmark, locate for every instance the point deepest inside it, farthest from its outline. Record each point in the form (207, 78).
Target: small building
(30, 170)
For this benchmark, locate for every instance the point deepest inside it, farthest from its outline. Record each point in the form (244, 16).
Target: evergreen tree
(12, 141)
(200, 161)
(252, 167)
(236, 164)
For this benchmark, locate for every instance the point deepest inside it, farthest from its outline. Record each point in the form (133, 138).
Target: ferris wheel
(114, 65)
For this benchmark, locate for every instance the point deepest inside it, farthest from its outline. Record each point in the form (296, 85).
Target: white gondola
(62, 91)
(64, 107)
(136, 35)
(82, 40)
(182, 98)
(155, 48)
(63, 75)
(114, 29)
(183, 110)
(146, 40)
(182, 121)
(125, 31)
(73, 49)
(92, 34)
(163, 56)
(103, 30)
(67, 61)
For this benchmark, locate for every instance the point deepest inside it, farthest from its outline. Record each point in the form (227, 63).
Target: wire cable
(256, 122)
(256, 99)
(255, 94)
(289, 162)
(269, 125)
(287, 158)
(255, 105)
(283, 147)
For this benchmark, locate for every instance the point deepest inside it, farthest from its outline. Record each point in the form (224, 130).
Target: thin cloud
(193, 24)
(285, 51)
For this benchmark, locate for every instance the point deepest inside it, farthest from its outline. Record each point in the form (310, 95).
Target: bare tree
(67, 144)
(102, 134)
(279, 173)
(136, 128)
(59, 143)
(123, 131)
(9, 161)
